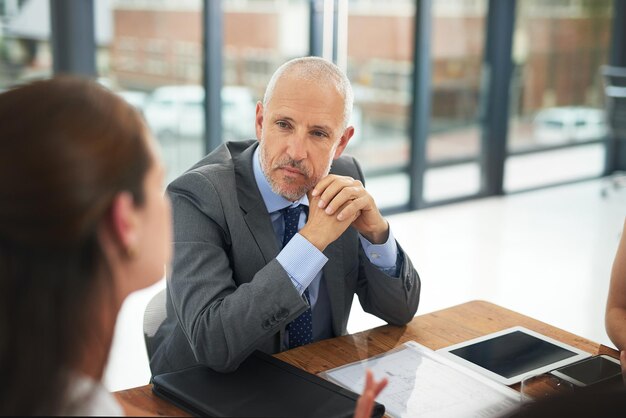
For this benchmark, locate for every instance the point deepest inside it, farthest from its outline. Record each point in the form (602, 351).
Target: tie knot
(292, 218)
(291, 212)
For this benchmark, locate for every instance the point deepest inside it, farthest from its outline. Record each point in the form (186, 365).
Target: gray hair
(315, 69)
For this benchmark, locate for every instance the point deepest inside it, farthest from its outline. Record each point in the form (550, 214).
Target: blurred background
(454, 99)
(460, 105)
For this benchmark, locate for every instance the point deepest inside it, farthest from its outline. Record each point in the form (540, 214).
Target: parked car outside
(136, 98)
(559, 125)
(177, 112)
(238, 113)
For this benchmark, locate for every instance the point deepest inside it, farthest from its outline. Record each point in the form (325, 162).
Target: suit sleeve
(394, 300)
(223, 322)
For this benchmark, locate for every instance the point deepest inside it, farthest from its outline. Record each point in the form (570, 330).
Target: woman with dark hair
(83, 223)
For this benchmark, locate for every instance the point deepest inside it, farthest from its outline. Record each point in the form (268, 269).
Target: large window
(154, 60)
(380, 66)
(24, 42)
(259, 36)
(453, 146)
(557, 92)
(151, 53)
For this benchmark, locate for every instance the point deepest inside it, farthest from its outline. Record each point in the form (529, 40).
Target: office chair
(153, 317)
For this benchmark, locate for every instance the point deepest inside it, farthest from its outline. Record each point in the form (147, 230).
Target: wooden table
(434, 330)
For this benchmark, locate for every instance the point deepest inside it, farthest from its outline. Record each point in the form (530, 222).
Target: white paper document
(424, 384)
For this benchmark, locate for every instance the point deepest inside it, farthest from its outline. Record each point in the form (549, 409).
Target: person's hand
(321, 228)
(372, 389)
(348, 199)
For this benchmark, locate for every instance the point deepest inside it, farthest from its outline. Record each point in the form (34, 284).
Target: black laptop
(262, 386)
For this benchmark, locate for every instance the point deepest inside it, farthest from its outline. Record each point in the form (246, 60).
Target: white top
(87, 397)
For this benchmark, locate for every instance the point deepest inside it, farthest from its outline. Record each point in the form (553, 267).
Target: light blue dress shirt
(303, 262)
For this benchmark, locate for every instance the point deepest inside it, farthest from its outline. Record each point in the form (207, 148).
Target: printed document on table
(425, 384)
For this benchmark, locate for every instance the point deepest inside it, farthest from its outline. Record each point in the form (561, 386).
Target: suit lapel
(252, 205)
(334, 280)
(258, 220)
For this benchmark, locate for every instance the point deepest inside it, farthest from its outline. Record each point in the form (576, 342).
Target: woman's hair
(67, 147)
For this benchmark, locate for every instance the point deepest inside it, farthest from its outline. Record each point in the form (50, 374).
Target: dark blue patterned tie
(301, 328)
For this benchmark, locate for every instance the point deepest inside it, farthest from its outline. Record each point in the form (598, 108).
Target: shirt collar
(273, 202)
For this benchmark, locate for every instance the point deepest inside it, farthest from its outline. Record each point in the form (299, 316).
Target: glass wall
(380, 67)
(458, 38)
(259, 36)
(557, 92)
(151, 53)
(24, 41)
(154, 60)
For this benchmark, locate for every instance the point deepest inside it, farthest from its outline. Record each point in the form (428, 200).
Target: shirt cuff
(384, 256)
(302, 261)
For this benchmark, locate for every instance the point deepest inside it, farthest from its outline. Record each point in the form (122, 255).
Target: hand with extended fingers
(365, 404)
(337, 202)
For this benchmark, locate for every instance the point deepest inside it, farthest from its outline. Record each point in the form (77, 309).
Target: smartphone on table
(596, 370)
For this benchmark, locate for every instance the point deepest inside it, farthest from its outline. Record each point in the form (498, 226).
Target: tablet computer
(508, 355)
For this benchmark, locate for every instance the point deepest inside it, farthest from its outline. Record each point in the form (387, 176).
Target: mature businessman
(269, 248)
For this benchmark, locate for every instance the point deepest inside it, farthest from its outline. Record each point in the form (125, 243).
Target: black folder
(262, 386)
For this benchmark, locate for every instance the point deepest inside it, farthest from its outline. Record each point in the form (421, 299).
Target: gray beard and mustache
(286, 189)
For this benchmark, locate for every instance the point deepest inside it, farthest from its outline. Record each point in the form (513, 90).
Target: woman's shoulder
(86, 397)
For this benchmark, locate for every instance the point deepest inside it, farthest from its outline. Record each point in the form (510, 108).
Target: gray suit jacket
(226, 293)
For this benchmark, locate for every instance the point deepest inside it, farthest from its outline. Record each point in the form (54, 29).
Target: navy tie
(301, 328)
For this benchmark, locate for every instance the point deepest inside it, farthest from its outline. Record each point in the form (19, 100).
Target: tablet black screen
(513, 354)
